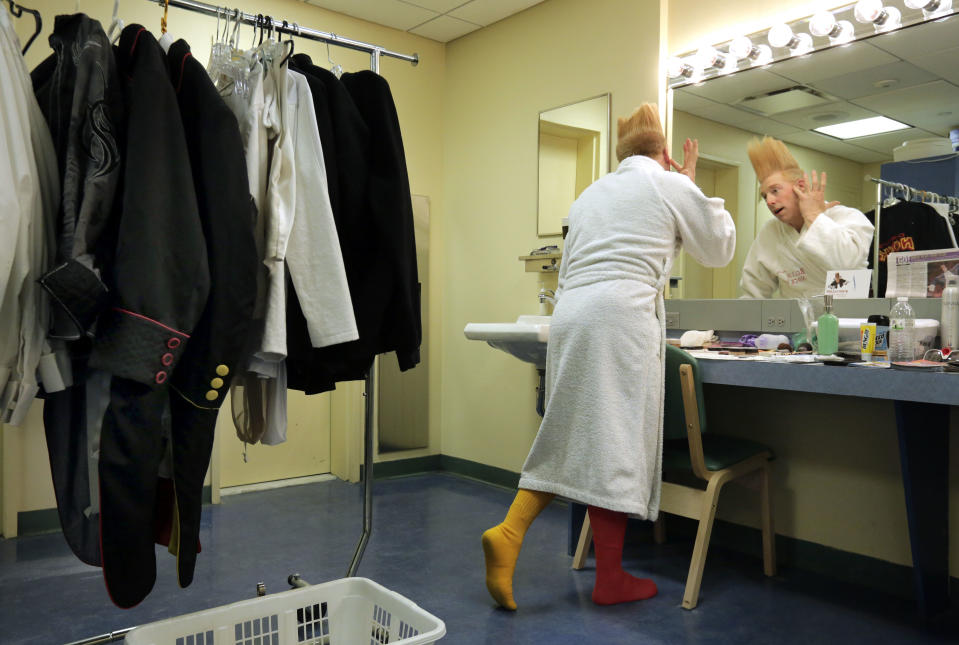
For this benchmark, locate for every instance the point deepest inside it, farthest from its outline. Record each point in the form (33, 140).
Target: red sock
(613, 585)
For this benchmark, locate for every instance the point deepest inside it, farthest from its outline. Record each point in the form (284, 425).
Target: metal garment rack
(909, 193)
(375, 52)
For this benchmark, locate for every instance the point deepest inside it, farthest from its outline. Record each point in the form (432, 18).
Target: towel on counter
(695, 338)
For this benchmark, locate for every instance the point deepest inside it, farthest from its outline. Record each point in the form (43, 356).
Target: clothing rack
(292, 29)
(375, 52)
(908, 193)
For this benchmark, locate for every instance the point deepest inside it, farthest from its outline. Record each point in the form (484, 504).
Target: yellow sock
(501, 543)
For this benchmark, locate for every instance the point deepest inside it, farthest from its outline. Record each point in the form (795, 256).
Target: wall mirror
(573, 152)
(908, 75)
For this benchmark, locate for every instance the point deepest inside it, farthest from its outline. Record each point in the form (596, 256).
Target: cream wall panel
(498, 81)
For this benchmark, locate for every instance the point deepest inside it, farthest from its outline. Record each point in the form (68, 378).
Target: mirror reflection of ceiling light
(825, 24)
(709, 56)
(791, 39)
(931, 9)
(782, 36)
(882, 18)
(861, 128)
(676, 68)
(742, 47)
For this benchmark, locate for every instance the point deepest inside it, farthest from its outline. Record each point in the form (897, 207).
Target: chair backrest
(674, 422)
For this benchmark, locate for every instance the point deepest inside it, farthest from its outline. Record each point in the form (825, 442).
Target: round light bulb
(821, 23)
(763, 56)
(741, 47)
(846, 33)
(868, 11)
(675, 68)
(708, 57)
(893, 20)
(804, 46)
(780, 35)
(918, 4)
(941, 8)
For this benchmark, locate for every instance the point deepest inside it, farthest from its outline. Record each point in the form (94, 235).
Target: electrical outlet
(672, 319)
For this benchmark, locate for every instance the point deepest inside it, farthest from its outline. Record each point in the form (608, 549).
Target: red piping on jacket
(136, 315)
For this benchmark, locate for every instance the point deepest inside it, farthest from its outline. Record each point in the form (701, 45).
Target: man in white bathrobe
(809, 237)
(600, 442)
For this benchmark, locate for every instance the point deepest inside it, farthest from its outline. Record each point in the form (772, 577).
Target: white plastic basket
(351, 611)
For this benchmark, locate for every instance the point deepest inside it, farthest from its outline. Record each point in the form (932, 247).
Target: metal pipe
(303, 32)
(367, 474)
(112, 637)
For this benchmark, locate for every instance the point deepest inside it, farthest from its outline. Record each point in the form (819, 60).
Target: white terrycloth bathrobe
(601, 438)
(796, 262)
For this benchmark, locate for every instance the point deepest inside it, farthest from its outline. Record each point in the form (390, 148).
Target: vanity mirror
(908, 75)
(573, 152)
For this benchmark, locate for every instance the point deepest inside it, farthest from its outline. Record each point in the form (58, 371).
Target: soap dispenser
(827, 329)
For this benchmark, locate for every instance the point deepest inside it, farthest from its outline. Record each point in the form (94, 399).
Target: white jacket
(796, 263)
(28, 207)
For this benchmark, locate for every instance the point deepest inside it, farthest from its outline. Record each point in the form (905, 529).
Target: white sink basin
(525, 339)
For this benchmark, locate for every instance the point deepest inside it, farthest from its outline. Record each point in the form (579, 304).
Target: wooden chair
(714, 459)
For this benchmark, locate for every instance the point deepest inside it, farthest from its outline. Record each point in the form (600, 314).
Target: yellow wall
(418, 93)
(498, 80)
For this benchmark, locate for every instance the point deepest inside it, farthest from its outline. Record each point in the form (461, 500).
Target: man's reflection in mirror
(808, 237)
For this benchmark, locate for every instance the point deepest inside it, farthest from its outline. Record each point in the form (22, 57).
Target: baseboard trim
(47, 520)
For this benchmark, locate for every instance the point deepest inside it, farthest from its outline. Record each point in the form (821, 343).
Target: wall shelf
(542, 263)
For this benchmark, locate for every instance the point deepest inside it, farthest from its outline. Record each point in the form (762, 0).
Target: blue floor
(425, 546)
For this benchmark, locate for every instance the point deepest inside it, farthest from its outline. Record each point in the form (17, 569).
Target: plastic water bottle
(949, 321)
(902, 323)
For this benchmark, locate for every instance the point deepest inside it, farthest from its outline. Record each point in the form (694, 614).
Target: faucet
(546, 295)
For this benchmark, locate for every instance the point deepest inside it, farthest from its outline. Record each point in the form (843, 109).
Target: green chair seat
(719, 451)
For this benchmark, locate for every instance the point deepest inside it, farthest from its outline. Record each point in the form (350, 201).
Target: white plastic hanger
(116, 25)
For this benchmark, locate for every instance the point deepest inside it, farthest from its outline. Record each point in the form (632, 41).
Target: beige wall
(418, 93)
(498, 81)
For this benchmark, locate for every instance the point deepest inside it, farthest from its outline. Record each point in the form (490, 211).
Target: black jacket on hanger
(907, 226)
(227, 214)
(373, 215)
(160, 286)
(79, 93)
(392, 208)
(78, 90)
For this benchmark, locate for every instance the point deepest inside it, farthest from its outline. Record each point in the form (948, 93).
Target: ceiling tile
(833, 62)
(942, 64)
(735, 87)
(442, 6)
(444, 28)
(486, 12)
(932, 106)
(391, 13)
(864, 82)
(816, 117)
(921, 40)
(822, 143)
(886, 142)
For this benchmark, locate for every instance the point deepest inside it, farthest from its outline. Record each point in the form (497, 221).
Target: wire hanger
(336, 68)
(17, 11)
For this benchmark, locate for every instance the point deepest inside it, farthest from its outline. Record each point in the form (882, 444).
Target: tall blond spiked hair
(641, 133)
(771, 155)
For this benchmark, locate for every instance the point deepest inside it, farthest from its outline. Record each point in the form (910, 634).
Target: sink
(525, 339)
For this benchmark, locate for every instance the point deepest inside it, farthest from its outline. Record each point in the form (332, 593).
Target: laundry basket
(351, 611)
